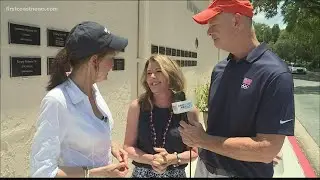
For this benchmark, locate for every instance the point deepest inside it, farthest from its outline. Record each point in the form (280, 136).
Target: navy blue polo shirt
(250, 96)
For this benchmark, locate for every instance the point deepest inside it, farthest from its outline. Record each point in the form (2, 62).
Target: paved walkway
(307, 106)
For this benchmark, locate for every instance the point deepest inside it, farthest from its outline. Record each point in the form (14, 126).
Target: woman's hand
(120, 154)
(161, 160)
(112, 170)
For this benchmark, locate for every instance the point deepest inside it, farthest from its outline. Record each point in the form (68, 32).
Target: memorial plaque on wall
(154, 49)
(178, 52)
(182, 63)
(182, 53)
(194, 54)
(168, 51)
(173, 52)
(162, 50)
(50, 66)
(118, 64)
(189, 63)
(186, 63)
(25, 66)
(178, 62)
(56, 38)
(186, 54)
(22, 34)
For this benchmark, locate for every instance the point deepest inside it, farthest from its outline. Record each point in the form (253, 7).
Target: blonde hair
(170, 70)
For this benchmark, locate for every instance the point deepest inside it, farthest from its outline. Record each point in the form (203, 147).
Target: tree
(300, 42)
(292, 10)
(263, 32)
(275, 32)
(270, 7)
(299, 46)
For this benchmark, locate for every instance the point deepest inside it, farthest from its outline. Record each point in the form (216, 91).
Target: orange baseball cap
(243, 7)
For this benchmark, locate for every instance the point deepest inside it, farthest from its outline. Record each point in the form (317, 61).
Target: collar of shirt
(253, 55)
(75, 94)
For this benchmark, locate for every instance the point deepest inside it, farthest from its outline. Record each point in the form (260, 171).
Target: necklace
(153, 131)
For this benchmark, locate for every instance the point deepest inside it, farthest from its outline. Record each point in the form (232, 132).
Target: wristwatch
(86, 172)
(178, 158)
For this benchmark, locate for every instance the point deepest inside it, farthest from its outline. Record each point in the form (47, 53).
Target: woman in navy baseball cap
(73, 137)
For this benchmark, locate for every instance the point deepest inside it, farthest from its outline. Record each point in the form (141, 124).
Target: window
(118, 64)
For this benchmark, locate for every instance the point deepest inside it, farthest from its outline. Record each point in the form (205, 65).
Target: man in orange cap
(251, 102)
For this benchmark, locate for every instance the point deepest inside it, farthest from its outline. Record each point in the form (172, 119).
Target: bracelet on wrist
(178, 160)
(86, 172)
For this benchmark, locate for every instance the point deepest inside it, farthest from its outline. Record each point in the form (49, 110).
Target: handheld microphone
(181, 106)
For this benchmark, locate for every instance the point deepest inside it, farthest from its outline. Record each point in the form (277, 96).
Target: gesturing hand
(111, 170)
(120, 154)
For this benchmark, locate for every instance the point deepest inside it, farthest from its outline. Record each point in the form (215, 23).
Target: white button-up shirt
(68, 132)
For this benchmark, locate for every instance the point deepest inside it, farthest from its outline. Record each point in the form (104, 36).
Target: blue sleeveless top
(173, 141)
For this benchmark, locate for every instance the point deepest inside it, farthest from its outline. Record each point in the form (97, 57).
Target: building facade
(150, 26)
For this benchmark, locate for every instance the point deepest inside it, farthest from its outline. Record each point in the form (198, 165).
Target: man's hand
(192, 134)
(160, 161)
(120, 154)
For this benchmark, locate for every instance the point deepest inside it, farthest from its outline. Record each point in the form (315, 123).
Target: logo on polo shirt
(246, 83)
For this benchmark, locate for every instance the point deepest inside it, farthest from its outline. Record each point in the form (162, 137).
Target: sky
(278, 19)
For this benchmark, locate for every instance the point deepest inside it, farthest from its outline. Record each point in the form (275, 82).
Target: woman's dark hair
(62, 62)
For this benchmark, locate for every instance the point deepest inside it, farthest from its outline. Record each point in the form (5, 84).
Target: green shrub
(202, 93)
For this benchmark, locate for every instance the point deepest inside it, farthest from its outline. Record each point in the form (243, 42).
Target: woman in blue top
(73, 137)
(152, 138)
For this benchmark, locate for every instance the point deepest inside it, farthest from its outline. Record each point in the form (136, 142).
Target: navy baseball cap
(89, 38)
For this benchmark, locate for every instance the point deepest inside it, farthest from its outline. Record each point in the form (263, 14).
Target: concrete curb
(308, 146)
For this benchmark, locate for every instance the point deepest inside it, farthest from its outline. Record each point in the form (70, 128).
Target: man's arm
(262, 148)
